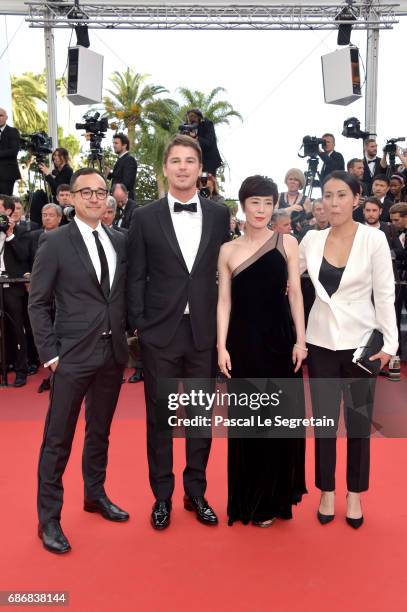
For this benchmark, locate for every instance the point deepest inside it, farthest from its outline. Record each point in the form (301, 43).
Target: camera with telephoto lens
(204, 191)
(310, 144)
(4, 223)
(188, 128)
(390, 147)
(96, 127)
(38, 144)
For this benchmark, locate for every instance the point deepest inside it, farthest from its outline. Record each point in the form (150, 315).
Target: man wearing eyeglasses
(82, 267)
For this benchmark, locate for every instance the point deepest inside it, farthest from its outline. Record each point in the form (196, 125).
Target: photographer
(204, 132)
(62, 172)
(125, 169)
(9, 148)
(13, 257)
(208, 188)
(331, 158)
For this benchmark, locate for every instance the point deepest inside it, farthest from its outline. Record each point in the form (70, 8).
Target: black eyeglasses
(87, 192)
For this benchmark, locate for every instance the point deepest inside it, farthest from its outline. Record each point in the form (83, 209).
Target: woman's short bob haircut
(297, 174)
(257, 186)
(345, 177)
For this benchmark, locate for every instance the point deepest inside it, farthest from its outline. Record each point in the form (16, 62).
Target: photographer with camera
(9, 148)
(125, 169)
(62, 172)
(331, 158)
(13, 256)
(208, 188)
(203, 130)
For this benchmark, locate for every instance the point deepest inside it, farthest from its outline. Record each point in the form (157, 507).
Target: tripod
(95, 157)
(312, 176)
(36, 184)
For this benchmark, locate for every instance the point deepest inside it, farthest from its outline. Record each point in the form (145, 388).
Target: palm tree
(217, 111)
(27, 90)
(131, 100)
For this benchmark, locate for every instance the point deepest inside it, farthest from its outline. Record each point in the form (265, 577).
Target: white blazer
(343, 320)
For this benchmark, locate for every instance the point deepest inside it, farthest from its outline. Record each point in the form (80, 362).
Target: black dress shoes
(199, 505)
(355, 522)
(32, 369)
(106, 508)
(137, 376)
(53, 538)
(161, 514)
(44, 386)
(20, 381)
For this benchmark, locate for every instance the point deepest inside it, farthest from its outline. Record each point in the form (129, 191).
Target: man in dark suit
(82, 266)
(372, 165)
(9, 148)
(125, 207)
(173, 250)
(331, 158)
(125, 169)
(205, 134)
(13, 258)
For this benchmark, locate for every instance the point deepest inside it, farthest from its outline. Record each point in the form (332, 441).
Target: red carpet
(293, 566)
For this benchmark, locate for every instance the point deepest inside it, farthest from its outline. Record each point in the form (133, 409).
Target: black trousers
(15, 306)
(7, 187)
(99, 381)
(333, 376)
(179, 360)
(401, 300)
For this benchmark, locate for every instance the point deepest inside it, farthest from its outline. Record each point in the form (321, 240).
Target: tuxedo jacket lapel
(207, 224)
(167, 227)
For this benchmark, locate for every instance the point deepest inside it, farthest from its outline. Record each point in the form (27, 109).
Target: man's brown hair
(181, 140)
(401, 208)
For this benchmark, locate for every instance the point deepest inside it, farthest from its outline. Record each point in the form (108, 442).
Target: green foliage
(233, 207)
(146, 184)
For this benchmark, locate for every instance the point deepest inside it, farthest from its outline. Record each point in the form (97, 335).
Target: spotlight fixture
(348, 13)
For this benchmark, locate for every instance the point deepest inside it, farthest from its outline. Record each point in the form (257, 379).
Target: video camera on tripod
(95, 127)
(310, 145)
(38, 144)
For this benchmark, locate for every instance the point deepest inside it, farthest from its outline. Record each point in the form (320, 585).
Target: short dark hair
(351, 163)
(341, 175)
(367, 140)
(122, 187)
(123, 139)
(400, 208)
(381, 177)
(329, 134)
(182, 140)
(83, 172)
(372, 200)
(8, 202)
(63, 187)
(260, 186)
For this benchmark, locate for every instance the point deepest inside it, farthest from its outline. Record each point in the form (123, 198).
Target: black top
(330, 276)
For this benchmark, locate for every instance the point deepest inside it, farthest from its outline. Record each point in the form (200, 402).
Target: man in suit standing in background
(173, 251)
(372, 165)
(331, 158)
(9, 148)
(125, 169)
(125, 206)
(82, 266)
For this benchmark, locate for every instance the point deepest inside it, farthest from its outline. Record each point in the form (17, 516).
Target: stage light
(348, 13)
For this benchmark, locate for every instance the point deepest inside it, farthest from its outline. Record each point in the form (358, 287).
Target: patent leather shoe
(53, 538)
(44, 386)
(324, 519)
(199, 505)
(161, 514)
(20, 381)
(106, 508)
(137, 376)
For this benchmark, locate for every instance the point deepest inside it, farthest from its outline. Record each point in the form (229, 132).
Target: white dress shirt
(3, 240)
(188, 230)
(90, 242)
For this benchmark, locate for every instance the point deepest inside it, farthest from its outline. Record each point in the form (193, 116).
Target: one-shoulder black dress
(265, 475)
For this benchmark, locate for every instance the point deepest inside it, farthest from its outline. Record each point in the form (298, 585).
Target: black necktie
(104, 268)
(178, 207)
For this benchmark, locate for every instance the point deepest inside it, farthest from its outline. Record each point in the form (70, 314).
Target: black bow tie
(178, 207)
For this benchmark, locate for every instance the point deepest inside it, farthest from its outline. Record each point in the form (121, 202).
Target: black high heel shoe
(324, 519)
(354, 522)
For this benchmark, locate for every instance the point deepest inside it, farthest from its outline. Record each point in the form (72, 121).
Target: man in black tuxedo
(173, 250)
(331, 158)
(125, 206)
(82, 267)
(372, 165)
(205, 134)
(9, 148)
(125, 169)
(13, 261)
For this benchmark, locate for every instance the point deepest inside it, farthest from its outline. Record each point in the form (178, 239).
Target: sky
(273, 78)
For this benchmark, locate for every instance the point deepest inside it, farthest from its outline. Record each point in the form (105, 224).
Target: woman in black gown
(256, 340)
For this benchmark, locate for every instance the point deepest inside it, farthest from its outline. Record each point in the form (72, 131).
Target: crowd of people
(186, 281)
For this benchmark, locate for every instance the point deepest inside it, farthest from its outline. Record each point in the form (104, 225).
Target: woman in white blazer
(348, 264)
